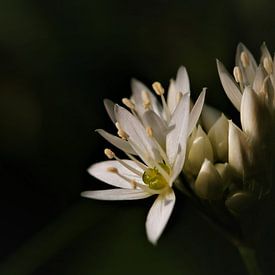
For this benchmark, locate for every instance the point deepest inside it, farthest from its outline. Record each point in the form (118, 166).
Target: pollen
(109, 153)
(178, 97)
(146, 100)
(128, 103)
(121, 133)
(245, 59)
(149, 131)
(112, 170)
(134, 184)
(158, 88)
(237, 74)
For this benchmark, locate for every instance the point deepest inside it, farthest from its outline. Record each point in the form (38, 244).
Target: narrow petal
(102, 171)
(251, 113)
(176, 139)
(196, 111)
(109, 106)
(159, 214)
(159, 127)
(137, 133)
(182, 83)
(172, 96)
(230, 87)
(249, 70)
(116, 194)
(116, 141)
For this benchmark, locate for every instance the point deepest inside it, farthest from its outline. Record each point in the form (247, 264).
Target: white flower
(252, 92)
(157, 134)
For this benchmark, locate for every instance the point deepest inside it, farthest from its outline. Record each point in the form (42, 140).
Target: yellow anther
(122, 134)
(112, 170)
(149, 131)
(268, 65)
(244, 59)
(237, 74)
(128, 103)
(134, 184)
(146, 99)
(178, 97)
(158, 88)
(109, 153)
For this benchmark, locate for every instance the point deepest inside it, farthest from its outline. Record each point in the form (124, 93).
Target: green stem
(249, 259)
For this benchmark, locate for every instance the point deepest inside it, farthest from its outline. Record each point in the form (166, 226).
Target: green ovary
(154, 179)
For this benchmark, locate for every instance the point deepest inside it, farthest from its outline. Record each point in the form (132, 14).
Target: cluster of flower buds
(231, 163)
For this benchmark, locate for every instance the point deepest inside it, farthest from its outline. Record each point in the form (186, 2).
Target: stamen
(121, 133)
(149, 131)
(109, 153)
(112, 170)
(146, 100)
(237, 74)
(158, 88)
(245, 59)
(140, 164)
(178, 97)
(128, 103)
(268, 65)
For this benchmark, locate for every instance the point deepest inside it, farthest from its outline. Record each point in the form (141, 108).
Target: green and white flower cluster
(221, 162)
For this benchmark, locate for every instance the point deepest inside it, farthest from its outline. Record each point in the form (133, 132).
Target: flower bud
(226, 172)
(200, 149)
(208, 184)
(239, 202)
(236, 148)
(218, 135)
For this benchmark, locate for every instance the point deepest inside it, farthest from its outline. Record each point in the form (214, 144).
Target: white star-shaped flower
(154, 137)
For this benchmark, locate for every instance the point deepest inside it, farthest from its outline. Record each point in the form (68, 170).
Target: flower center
(154, 179)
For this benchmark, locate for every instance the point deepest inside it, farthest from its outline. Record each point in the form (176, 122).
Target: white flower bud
(236, 148)
(208, 184)
(200, 149)
(218, 136)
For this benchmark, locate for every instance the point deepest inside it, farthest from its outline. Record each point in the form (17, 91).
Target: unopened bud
(208, 184)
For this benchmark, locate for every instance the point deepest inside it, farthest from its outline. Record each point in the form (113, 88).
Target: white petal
(116, 141)
(172, 96)
(101, 171)
(259, 79)
(116, 194)
(137, 133)
(251, 113)
(109, 106)
(230, 87)
(196, 111)
(176, 139)
(159, 127)
(249, 71)
(182, 83)
(159, 214)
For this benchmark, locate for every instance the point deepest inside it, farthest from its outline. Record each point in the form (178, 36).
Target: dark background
(58, 61)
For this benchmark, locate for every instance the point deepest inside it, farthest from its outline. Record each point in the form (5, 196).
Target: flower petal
(196, 111)
(101, 171)
(109, 106)
(159, 127)
(230, 87)
(116, 141)
(182, 83)
(209, 116)
(159, 214)
(172, 96)
(137, 133)
(249, 70)
(176, 139)
(116, 194)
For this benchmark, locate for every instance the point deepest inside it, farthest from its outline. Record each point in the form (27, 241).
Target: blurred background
(58, 61)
